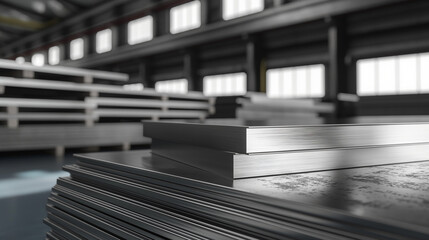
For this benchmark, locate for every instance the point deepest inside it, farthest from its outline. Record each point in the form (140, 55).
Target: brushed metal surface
(223, 137)
(267, 139)
(256, 139)
(396, 192)
(145, 217)
(232, 165)
(260, 215)
(137, 160)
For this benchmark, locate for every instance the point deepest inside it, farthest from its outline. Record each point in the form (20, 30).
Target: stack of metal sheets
(133, 195)
(56, 107)
(250, 151)
(257, 106)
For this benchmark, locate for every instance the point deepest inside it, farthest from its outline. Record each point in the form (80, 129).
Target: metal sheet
(283, 209)
(241, 195)
(162, 222)
(231, 165)
(254, 139)
(93, 220)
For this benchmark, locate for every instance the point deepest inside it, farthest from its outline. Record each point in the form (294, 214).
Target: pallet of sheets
(62, 73)
(135, 195)
(59, 137)
(55, 107)
(257, 106)
(112, 103)
(15, 111)
(234, 151)
(132, 108)
(11, 86)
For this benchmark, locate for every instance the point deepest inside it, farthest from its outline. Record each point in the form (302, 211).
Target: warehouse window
(237, 8)
(103, 41)
(403, 74)
(140, 30)
(133, 86)
(296, 82)
(20, 60)
(225, 84)
(185, 17)
(172, 86)
(38, 59)
(76, 49)
(54, 55)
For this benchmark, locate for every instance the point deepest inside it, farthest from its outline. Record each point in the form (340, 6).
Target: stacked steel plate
(234, 151)
(139, 195)
(257, 106)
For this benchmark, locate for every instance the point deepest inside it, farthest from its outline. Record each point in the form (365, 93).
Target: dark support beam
(253, 64)
(337, 77)
(161, 23)
(121, 30)
(211, 11)
(190, 71)
(73, 4)
(66, 45)
(90, 40)
(145, 73)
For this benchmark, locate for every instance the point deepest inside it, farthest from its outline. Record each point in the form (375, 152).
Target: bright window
(185, 17)
(172, 86)
(296, 82)
(103, 41)
(403, 74)
(140, 30)
(237, 8)
(54, 55)
(76, 49)
(225, 84)
(38, 59)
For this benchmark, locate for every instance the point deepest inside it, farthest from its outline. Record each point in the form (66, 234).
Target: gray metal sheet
(61, 231)
(398, 192)
(312, 214)
(104, 223)
(232, 165)
(236, 220)
(163, 222)
(241, 195)
(254, 139)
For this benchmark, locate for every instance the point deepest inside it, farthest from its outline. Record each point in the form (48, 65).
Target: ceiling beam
(74, 4)
(68, 22)
(287, 15)
(10, 30)
(32, 14)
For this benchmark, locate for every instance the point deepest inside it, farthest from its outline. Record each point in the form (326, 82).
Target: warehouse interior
(214, 119)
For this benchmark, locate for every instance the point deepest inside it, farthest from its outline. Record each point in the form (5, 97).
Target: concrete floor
(25, 182)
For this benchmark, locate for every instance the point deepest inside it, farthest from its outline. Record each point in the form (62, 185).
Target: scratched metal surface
(398, 192)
